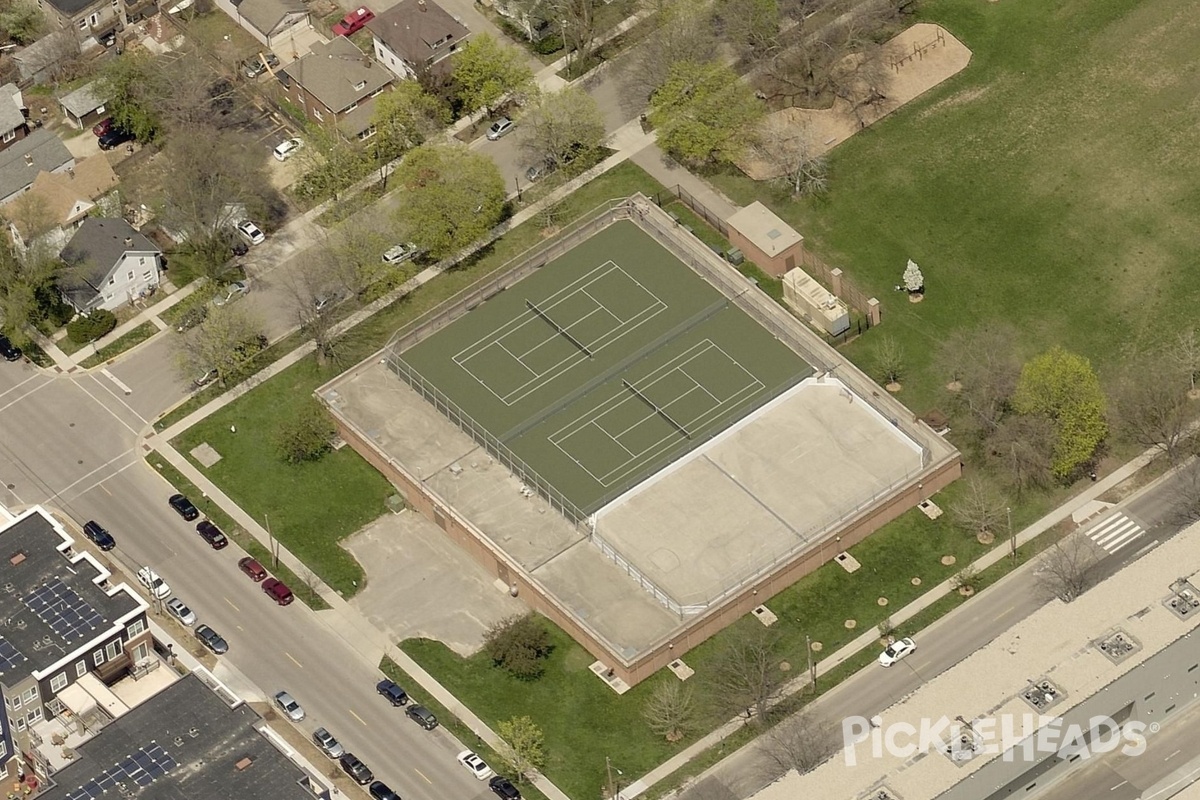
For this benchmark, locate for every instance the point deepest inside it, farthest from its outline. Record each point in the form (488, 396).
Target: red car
(103, 126)
(277, 591)
(252, 568)
(353, 22)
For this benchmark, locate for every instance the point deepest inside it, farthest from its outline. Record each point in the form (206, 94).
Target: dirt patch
(921, 57)
(954, 100)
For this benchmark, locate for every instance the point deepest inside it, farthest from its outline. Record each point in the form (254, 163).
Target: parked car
(500, 128)
(381, 791)
(154, 584)
(181, 612)
(422, 716)
(392, 691)
(476, 765)
(253, 67)
(286, 149)
(211, 534)
(288, 705)
(102, 127)
(100, 537)
(252, 568)
(192, 317)
(357, 770)
(504, 788)
(238, 248)
(327, 300)
(400, 253)
(183, 507)
(353, 22)
(328, 745)
(232, 292)
(278, 591)
(212, 640)
(251, 232)
(205, 379)
(8, 350)
(896, 651)
(114, 137)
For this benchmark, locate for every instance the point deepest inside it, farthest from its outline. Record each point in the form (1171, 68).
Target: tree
(1063, 387)
(485, 71)
(1023, 448)
(522, 747)
(27, 293)
(351, 251)
(670, 710)
(980, 510)
(124, 82)
(746, 678)
(790, 150)
(1184, 496)
(225, 342)
(914, 281)
(750, 26)
(704, 114)
(23, 22)
(519, 644)
(315, 287)
(306, 434)
(404, 118)
(1066, 569)
(562, 126)
(453, 197)
(982, 365)
(802, 742)
(1185, 350)
(889, 359)
(330, 164)
(1150, 403)
(683, 32)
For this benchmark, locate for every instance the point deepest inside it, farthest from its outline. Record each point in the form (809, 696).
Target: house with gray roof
(13, 125)
(85, 106)
(415, 37)
(20, 163)
(336, 84)
(47, 59)
(108, 264)
(271, 22)
(91, 21)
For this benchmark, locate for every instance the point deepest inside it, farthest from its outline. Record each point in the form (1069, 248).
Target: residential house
(58, 203)
(271, 22)
(335, 85)
(415, 37)
(85, 106)
(109, 264)
(534, 25)
(44, 60)
(13, 125)
(92, 21)
(66, 625)
(20, 163)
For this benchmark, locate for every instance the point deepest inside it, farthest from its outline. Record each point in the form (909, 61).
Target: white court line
(701, 386)
(600, 305)
(513, 356)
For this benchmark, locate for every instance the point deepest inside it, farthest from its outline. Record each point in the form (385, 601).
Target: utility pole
(812, 665)
(271, 541)
(1012, 536)
(614, 788)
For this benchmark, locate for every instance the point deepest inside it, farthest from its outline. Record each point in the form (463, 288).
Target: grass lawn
(1051, 184)
(127, 342)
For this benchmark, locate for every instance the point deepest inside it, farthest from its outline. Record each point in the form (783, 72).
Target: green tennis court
(606, 364)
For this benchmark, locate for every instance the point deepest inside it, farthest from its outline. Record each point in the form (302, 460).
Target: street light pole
(271, 541)
(1012, 536)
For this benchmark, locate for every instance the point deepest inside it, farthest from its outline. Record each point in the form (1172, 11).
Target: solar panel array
(142, 768)
(9, 655)
(60, 607)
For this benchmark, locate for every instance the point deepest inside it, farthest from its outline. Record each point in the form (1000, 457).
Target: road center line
(357, 717)
(293, 658)
(1118, 786)
(231, 605)
(422, 774)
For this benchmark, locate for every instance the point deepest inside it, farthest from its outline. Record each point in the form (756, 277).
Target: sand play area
(919, 58)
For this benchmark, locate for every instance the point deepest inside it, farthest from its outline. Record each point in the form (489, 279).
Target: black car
(422, 716)
(115, 137)
(184, 507)
(392, 691)
(504, 788)
(102, 538)
(8, 350)
(211, 534)
(381, 791)
(212, 640)
(356, 769)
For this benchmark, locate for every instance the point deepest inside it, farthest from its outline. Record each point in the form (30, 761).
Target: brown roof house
(336, 85)
(416, 36)
(58, 202)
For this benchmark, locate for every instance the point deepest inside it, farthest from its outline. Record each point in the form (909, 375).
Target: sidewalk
(870, 638)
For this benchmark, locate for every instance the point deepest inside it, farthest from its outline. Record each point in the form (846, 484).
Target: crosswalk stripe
(1115, 532)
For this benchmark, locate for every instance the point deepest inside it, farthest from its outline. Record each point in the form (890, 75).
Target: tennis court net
(566, 334)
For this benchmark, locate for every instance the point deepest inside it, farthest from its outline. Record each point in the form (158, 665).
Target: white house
(108, 264)
(416, 36)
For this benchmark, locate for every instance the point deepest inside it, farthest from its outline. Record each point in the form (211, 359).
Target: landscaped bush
(306, 435)
(519, 644)
(551, 43)
(84, 329)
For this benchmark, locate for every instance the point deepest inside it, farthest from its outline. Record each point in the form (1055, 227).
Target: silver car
(288, 705)
(327, 744)
(181, 612)
(501, 127)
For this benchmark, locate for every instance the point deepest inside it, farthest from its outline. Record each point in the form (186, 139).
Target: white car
(231, 292)
(249, 230)
(285, 150)
(399, 253)
(896, 651)
(154, 584)
(501, 127)
(288, 705)
(475, 764)
(181, 612)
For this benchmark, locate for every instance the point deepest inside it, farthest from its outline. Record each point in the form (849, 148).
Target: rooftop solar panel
(62, 609)
(10, 656)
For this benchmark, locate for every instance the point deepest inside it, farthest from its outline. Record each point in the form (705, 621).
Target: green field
(606, 364)
(1053, 184)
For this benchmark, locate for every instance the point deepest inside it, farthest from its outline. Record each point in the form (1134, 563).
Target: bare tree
(1149, 403)
(889, 359)
(802, 742)
(751, 27)
(684, 33)
(790, 150)
(561, 126)
(1184, 495)
(746, 678)
(982, 366)
(1185, 350)
(223, 343)
(316, 287)
(1023, 448)
(980, 509)
(1065, 570)
(670, 710)
(352, 251)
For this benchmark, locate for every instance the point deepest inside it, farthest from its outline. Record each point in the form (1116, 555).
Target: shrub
(551, 43)
(84, 329)
(519, 644)
(306, 435)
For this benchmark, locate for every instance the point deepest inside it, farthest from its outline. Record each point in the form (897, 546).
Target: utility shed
(765, 239)
(814, 303)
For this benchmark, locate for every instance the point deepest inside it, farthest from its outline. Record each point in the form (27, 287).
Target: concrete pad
(205, 454)
(420, 584)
